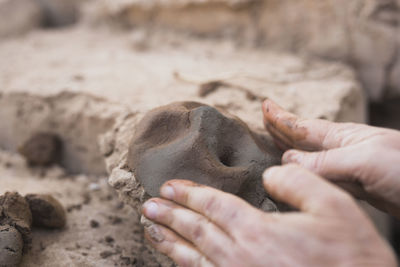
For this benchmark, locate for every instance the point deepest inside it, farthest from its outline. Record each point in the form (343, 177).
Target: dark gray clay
(189, 140)
(14, 211)
(11, 245)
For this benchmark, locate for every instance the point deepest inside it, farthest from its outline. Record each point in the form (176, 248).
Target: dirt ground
(100, 231)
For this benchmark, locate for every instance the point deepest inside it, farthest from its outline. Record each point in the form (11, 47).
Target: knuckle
(198, 232)
(337, 202)
(212, 205)
(319, 161)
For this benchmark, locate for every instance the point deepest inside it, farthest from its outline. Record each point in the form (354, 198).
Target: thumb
(306, 191)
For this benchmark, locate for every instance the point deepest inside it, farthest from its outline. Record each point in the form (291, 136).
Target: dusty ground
(100, 231)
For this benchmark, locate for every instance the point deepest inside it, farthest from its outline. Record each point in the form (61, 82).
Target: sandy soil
(100, 231)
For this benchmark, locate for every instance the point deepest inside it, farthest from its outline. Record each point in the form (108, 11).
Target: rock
(14, 211)
(11, 246)
(18, 17)
(46, 211)
(189, 140)
(42, 149)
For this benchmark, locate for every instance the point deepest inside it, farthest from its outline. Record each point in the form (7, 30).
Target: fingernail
(268, 173)
(265, 105)
(291, 157)
(150, 209)
(154, 232)
(167, 192)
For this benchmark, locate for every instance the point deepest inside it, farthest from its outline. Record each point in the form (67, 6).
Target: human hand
(200, 226)
(362, 159)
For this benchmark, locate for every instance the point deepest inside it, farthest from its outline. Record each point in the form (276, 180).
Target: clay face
(188, 140)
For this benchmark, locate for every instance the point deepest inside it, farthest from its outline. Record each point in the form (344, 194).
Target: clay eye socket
(227, 157)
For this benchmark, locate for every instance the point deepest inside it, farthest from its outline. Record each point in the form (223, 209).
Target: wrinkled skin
(200, 226)
(363, 160)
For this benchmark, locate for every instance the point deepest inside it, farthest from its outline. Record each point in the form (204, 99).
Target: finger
(298, 133)
(338, 165)
(306, 191)
(205, 235)
(353, 172)
(175, 247)
(227, 211)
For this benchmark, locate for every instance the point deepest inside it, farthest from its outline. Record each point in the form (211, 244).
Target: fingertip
(269, 173)
(174, 189)
(167, 190)
(150, 209)
(265, 105)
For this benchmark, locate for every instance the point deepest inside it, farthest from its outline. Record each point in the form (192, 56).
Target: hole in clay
(227, 158)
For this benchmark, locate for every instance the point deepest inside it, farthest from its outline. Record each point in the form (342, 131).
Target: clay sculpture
(189, 140)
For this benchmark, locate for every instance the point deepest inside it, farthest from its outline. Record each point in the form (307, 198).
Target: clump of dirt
(14, 211)
(42, 149)
(209, 87)
(11, 246)
(16, 216)
(190, 140)
(46, 211)
(15, 227)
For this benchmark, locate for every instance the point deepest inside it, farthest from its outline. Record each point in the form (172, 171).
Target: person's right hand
(362, 159)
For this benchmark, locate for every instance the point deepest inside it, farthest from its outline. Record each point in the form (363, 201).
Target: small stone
(105, 254)
(94, 187)
(46, 211)
(109, 239)
(11, 246)
(94, 224)
(74, 207)
(115, 220)
(42, 149)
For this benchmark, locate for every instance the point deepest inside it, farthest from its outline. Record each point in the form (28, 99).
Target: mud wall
(78, 119)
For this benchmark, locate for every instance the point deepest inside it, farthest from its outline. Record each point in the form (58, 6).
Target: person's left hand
(200, 226)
